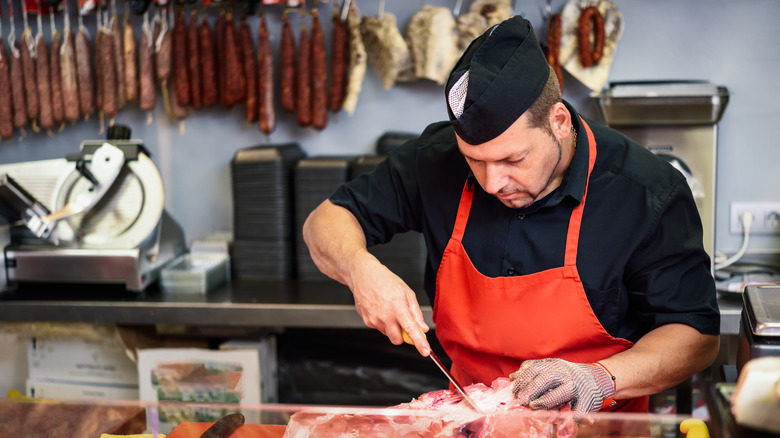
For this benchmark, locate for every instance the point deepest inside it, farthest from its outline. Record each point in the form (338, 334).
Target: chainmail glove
(549, 383)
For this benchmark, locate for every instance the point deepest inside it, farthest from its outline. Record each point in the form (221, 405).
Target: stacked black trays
(316, 178)
(405, 253)
(263, 211)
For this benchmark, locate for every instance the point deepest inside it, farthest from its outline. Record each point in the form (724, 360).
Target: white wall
(730, 43)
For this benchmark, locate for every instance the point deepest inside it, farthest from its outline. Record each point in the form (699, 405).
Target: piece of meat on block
(438, 414)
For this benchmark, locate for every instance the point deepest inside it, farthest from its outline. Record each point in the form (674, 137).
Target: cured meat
(68, 73)
(6, 104)
(265, 80)
(181, 76)
(118, 62)
(235, 82)
(107, 72)
(319, 74)
(303, 78)
(163, 43)
(99, 67)
(357, 59)
(210, 76)
(177, 110)
(57, 103)
(481, 15)
(17, 90)
(250, 71)
(86, 83)
(287, 65)
(441, 414)
(163, 53)
(433, 43)
(219, 30)
(43, 83)
(193, 62)
(338, 63)
(28, 67)
(554, 46)
(591, 22)
(147, 98)
(130, 60)
(387, 51)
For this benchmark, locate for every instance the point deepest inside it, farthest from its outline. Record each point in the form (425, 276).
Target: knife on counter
(447, 373)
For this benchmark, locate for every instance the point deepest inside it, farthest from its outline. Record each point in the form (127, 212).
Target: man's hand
(550, 383)
(386, 303)
(338, 248)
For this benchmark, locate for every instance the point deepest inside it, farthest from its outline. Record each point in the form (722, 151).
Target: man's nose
(495, 177)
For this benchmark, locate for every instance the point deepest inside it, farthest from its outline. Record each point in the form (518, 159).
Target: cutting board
(44, 420)
(191, 429)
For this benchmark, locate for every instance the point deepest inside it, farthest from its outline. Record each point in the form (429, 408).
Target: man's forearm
(661, 359)
(335, 240)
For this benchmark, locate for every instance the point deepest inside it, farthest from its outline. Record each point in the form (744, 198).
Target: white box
(198, 375)
(79, 391)
(269, 371)
(81, 360)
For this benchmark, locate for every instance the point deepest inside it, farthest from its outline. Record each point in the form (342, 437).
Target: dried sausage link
(265, 80)
(193, 62)
(303, 78)
(55, 70)
(43, 82)
(287, 66)
(210, 76)
(69, 75)
(250, 71)
(6, 104)
(86, 82)
(338, 63)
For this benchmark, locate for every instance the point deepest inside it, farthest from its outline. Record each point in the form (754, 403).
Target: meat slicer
(95, 217)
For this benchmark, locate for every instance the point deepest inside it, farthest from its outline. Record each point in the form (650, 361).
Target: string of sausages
(79, 73)
(590, 40)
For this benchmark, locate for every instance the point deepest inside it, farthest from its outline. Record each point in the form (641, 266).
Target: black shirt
(641, 258)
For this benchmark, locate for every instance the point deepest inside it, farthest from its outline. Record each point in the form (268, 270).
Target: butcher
(561, 253)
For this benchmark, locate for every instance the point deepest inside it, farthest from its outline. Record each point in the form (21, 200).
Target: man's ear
(560, 121)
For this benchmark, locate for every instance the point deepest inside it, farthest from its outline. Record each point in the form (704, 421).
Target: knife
(447, 373)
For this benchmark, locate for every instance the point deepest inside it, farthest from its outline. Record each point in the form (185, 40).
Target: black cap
(507, 71)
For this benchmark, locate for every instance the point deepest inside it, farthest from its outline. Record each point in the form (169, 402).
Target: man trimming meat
(561, 253)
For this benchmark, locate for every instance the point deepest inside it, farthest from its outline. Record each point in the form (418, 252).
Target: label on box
(218, 381)
(75, 391)
(80, 360)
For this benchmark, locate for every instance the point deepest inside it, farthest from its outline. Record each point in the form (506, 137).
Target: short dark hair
(539, 111)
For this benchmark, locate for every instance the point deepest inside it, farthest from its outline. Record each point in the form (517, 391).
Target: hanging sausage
(265, 79)
(250, 70)
(319, 74)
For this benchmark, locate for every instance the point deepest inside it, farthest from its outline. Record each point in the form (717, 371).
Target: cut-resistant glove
(550, 383)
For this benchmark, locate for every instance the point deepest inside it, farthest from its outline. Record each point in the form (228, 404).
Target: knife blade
(447, 373)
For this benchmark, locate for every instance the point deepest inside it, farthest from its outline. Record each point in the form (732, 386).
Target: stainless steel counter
(244, 303)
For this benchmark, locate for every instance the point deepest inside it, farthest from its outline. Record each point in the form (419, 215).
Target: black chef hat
(496, 80)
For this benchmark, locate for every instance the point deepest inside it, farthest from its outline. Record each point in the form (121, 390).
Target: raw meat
(439, 414)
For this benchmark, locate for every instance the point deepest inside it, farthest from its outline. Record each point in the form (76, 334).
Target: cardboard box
(79, 391)
(219, 381)
(80, 360)
(269, 371)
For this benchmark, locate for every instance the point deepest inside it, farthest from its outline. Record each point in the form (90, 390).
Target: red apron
(489, 326)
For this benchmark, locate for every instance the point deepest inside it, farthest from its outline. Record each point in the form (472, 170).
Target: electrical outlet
(766, 217)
